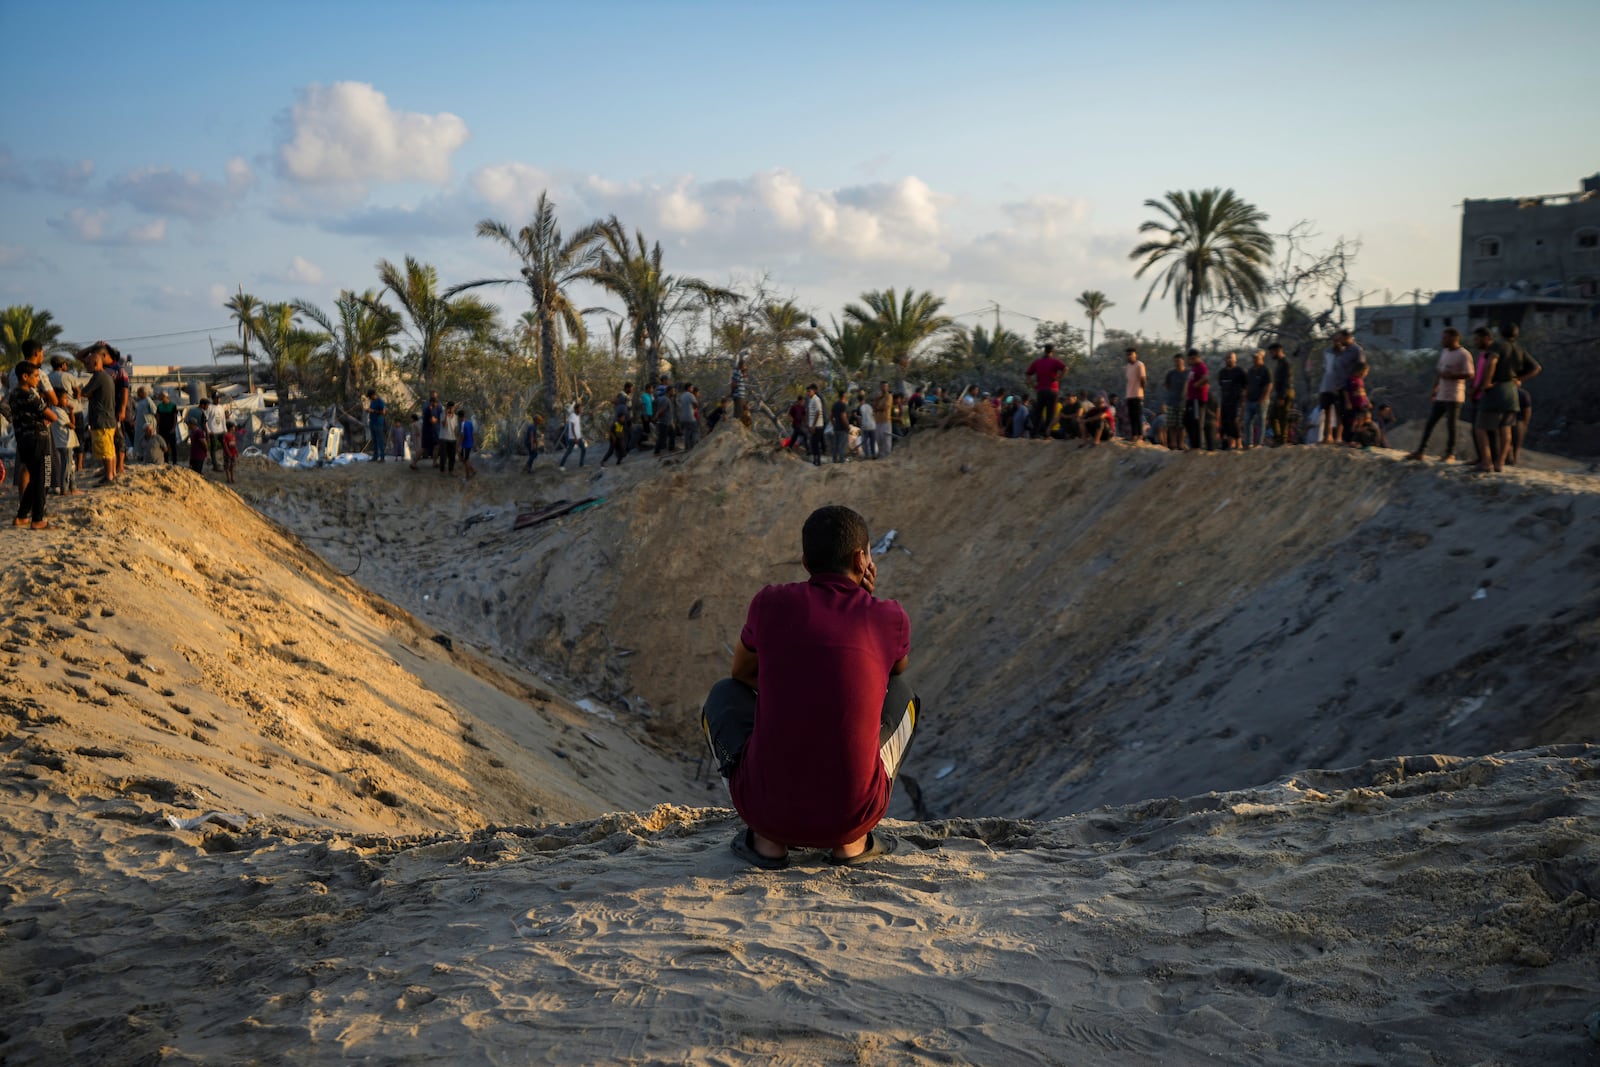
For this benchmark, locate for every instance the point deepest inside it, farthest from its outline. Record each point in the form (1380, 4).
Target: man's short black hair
(1131, 352)
(1276, 346)
(1193, 352)
(26, 367)
(830, 539)
(32, 347)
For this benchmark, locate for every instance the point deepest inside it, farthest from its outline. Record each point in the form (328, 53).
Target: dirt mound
(1090, 626)
(167, 649)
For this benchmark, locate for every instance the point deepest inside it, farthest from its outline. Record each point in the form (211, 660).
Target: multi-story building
(1532, 259)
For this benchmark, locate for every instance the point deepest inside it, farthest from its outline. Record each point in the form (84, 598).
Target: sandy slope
(1426, 911)
(1089, 626)
(165, 644)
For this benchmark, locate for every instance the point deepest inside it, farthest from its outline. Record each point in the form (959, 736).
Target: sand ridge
(1423, 910)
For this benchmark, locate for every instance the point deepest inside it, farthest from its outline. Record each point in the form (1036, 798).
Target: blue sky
(158, 157)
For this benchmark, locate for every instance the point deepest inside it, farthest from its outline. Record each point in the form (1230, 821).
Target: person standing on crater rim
(812, 725)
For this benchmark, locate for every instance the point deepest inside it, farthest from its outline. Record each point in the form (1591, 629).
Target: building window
(1589, 237)
(1383, 327)
(1588, 288)
(1427, 323)
(1488, 247)
(1447, 322)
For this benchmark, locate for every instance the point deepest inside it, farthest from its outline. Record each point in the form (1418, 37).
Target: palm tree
(245, 310)
(1094, 304)
(366, 328)
(651, 298)
(1215, 249)
(900, 323)
(849, 349)
(20, 323)
(549, 265)
(435, 319)
(284, 342)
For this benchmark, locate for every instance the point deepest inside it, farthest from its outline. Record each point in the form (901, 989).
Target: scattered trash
(885, 543)
(944, 771)
(695, 608)
(1481, 594)
(589, 707)
(221, 818)
(441, 639)
(593, 740)
(554, 511)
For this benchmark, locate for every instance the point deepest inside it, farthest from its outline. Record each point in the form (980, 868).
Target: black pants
(816, 444)
(1449, 411)
(1135, 418)
(1193, 413)
(447, 457)
(171, 438)
(728, 718)
(30, 457)
(1046, 404)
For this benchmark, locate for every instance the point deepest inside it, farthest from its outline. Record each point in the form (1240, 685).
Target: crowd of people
(62, 420)
(1240, 407)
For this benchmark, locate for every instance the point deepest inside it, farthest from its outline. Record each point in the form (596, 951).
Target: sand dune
(501, 850)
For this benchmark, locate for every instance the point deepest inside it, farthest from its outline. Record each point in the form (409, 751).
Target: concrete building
(1542, 242)
(1532, 259)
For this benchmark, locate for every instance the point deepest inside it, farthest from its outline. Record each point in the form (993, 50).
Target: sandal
(744, 846)
(42, 524)
(877, 845)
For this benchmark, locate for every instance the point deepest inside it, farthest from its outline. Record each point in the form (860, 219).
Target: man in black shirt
(31, 420)
(101, 396)
(1282, 395)
(1257, 394)
(841, 428)
(1231, 381)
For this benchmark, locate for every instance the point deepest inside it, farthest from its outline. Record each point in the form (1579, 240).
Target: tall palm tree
(850, 348)
(244, 310)
(549, 265)
(1094, 304)
(434, 318)
(651, 298)
(20, 323)
(899, 323)
(366, 328)
(284, 343)
(1213, 247)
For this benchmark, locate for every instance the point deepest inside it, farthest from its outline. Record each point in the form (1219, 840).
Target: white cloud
(165, 191)
(304, 272)
(11, 255)
(93, 227)
(767, 216)
(347, 136)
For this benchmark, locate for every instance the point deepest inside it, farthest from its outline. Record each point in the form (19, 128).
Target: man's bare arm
(744, 667)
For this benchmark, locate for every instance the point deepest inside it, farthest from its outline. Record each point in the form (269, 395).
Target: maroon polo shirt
(1046, 370)
(810, 776)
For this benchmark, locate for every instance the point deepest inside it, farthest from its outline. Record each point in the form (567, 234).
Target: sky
(160, 157)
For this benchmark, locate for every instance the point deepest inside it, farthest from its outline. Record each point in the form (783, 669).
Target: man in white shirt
(216, 426)
(869, 428)
(816, 423)
(1133, 394)
(1448, 394)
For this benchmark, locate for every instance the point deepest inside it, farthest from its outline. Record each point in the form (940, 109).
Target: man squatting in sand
(811, 727)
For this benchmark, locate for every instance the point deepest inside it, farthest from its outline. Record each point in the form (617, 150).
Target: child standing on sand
(469, 441)
(230, 449)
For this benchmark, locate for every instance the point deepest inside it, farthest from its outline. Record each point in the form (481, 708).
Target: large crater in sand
(1089, 626)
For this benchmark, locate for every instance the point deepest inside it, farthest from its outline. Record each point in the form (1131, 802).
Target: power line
(176, 333)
